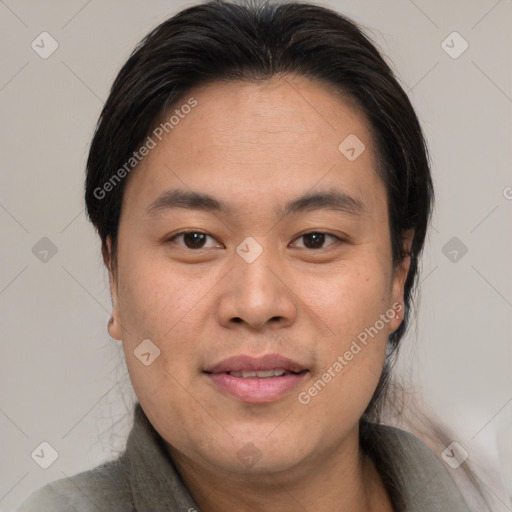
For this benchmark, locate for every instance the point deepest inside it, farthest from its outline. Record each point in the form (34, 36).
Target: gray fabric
(424, 481)
(144, 478)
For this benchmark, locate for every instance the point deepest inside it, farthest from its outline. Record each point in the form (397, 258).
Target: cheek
(351, 298)
(156, 304)
(351, 357)
(352, 353)
(154, 297)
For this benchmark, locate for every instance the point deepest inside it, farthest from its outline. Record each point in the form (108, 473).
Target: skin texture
(255, 147)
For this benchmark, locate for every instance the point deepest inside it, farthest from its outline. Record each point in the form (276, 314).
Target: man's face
(286, 271)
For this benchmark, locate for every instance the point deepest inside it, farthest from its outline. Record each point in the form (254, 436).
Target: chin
(265, 451)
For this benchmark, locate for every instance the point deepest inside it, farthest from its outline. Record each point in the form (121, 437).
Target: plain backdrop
(63, 380)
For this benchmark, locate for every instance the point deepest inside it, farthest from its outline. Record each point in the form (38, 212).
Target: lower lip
(256, 390)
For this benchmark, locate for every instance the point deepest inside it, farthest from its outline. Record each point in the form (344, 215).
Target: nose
(256, 294)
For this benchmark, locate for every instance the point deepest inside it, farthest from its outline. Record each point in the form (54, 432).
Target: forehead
(261, 141)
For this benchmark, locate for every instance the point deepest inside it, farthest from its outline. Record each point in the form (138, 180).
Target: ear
(400, 274)
(114, 325)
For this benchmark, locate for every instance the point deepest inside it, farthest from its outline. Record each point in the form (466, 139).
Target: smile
(256, 380)
(261, 374)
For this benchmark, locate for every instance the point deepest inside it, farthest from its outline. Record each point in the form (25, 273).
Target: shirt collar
(423, 480)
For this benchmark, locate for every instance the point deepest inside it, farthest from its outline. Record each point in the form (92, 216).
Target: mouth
(260, 374)
(256, 380)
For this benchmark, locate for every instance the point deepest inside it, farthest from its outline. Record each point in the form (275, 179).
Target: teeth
(262, 374)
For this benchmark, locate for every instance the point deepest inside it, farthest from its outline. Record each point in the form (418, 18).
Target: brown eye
(193, 240)
(316, 239)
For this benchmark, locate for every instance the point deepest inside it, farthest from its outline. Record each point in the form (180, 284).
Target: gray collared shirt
(144, 478)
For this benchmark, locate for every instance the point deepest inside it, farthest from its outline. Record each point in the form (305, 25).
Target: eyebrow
(330, 199)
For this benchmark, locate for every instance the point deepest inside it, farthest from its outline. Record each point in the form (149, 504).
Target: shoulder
(422, 477)
(102, 488)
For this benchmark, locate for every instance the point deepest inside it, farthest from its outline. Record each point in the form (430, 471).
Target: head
(279, 207)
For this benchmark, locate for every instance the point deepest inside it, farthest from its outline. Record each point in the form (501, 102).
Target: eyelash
(182, 233)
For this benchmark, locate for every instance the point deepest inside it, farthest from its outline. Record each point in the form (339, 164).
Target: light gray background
(62, 380)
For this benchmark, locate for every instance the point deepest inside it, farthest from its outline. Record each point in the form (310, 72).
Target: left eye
(316, 239)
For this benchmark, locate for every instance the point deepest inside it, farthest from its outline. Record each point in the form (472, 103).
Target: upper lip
(249, 363)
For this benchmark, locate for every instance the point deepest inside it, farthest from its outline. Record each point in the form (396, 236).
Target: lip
(256, 389)
(248, 363)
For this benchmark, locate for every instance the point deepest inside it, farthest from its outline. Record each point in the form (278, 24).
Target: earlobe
(114, 325)
(399, 278)
(394, 324)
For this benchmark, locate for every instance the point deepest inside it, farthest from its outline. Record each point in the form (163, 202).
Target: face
(254, 253)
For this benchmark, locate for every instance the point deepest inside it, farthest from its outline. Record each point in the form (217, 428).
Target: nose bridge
(255, 294)
(253, 270)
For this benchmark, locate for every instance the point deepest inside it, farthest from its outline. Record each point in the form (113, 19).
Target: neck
(345, 480)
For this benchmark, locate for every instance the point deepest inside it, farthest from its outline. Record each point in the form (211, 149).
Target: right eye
(193, 239)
